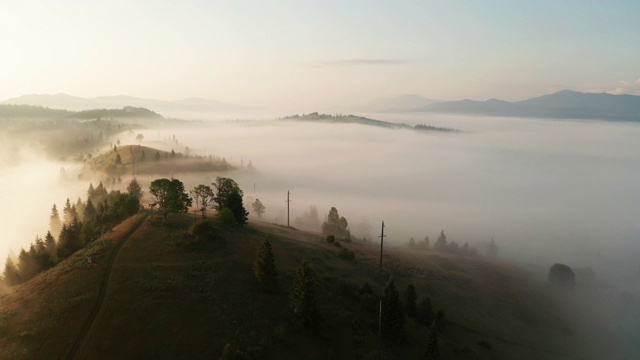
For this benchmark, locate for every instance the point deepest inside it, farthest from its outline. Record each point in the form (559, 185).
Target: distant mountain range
(564, 104)
(75, 103)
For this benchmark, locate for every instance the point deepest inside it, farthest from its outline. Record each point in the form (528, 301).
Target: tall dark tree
(156, 157)
(433, 352)
(492, 251)
(118, 159)
(50, 246)
(425, 311)
(392, 318)
(410, 301)
(234, 203)
(303, 298)
(264, 268)
(170, 196)
(134, 189)
(55, 225)
(89, 213)
(223, 187)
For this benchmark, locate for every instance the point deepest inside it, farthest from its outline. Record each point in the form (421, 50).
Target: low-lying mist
(544, 190)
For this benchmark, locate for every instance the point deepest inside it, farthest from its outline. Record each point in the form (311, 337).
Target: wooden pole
(381, 243)
(288, 201)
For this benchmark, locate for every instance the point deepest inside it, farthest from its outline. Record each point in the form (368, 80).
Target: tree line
(81, 223)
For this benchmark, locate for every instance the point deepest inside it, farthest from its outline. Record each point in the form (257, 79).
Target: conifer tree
(303, 298)
(55, 225)
(264, 268)
(425, 311)
(410, 301)
(67, 213)
(433, 353)
(89, 213)
(118, 159)
(392, 318)
(50, 245)
(10, 273)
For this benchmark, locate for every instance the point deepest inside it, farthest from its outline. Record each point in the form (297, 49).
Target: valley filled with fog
(547, 191)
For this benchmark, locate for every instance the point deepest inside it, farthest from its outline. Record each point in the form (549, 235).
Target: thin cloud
(626, 87)
(359, 62)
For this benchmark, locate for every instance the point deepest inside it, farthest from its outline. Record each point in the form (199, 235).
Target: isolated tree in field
(441, 243)
(410, 301)
(264, 268)
(336, 225)
(303, 298)
(134, 189)
(170, 196)
(118, 160)
(55, 225)
(392, 318)
(156, 157)
(203, 195)
(258, 208)
(139, 138)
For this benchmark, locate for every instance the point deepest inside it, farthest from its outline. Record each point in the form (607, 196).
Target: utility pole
(382, 235)
(288, 201)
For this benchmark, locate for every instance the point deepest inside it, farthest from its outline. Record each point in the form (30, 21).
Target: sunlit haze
(317, 54)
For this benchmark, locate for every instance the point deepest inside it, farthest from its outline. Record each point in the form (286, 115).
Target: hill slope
(168, 300)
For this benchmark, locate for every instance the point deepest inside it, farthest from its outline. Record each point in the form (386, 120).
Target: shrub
(347, 254)
(330, 239)
(562, 275)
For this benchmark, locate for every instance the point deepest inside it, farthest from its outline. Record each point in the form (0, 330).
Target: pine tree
(264, 268)
(392, 319)
(55, 225)
(67, 213)
(10, 274)
(433, 353)
(410, 301)
(441, 243)
(118, 159)
(303, 298)
(50, 245)
(425, 311)
(89, 213)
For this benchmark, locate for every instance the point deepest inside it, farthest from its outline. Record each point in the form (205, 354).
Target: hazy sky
(318, 53)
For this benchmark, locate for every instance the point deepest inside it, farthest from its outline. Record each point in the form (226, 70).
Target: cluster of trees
(225, 197)
(81, 223)
(442, 245)
(337, 226)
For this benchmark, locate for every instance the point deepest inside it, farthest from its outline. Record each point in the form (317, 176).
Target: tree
(258, 208)
(237, 208)
(139, 138)
(203, 195)
(10, 274)
(156, 157)
(223, 188)
(170, 196)
(264, 268)
(89, 213)
(392, 318)
(118, 159)
(67, 213)
(410, 301)
(441, 243)
(492, 251)
(432, 353)
(134, 189)
(55, 225)
(562, 275)
(336, 225)
(303, 298)
(425, 311)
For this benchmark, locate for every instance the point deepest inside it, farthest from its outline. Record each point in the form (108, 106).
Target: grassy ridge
(166, 302)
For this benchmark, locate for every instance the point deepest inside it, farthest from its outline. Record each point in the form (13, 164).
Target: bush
(226, 218)
(330, 239)
(562, 275)
(347, 254)
(203, 230)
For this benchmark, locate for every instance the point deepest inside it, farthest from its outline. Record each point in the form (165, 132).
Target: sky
(318, 53)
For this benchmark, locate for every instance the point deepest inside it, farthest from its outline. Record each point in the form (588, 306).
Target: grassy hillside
(168, 300)
(142, 160)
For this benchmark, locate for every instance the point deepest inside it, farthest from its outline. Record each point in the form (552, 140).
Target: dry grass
(165, 302)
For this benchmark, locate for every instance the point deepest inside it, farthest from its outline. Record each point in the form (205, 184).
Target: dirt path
(103, 289)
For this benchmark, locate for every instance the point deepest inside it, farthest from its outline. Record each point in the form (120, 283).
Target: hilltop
(163, 298)
(143, 160)
(353, 119)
